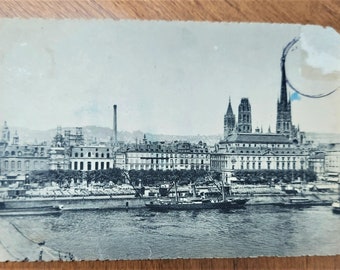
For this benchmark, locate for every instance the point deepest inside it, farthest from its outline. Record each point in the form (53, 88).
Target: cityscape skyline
(82, 72)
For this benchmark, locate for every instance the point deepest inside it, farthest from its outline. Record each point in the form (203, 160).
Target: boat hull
(31, 211)
(305, 204)
(336, 207)
(157, 206)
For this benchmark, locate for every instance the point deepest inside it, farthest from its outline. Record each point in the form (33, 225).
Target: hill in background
(103, 134)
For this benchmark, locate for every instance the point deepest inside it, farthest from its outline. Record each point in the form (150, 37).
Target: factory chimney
(115, 140)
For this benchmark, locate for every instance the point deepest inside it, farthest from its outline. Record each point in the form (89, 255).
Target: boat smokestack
(115, 139)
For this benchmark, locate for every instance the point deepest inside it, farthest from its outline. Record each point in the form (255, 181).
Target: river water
(142, 234)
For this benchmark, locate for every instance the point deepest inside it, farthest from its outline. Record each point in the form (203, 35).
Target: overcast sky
(165, 77)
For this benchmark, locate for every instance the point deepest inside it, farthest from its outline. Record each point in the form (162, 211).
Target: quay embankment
(80, 203)
(97, 199)
(131, 202)
(15, 245)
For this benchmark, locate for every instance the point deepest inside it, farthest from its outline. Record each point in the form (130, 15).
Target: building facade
(316, 162)
(19, 160)
(89, 158)
(332, 162)
(163, 156)
(258, 151)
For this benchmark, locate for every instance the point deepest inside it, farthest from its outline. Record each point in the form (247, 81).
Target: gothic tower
(284, 115)
(229, 121)
(244, 117)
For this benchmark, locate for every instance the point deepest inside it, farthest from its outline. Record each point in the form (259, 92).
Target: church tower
(244, 117)
(15, 138)
(229, 121)
(284, 115)
(6, 137)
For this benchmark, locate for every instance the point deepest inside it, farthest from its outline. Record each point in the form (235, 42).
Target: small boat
(303, 202)
(336, 207)
(30, 211)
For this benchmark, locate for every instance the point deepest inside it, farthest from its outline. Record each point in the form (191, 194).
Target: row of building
(239, 151)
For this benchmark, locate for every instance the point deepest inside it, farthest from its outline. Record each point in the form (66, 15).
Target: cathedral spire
(283, 93)
(230, 109)
(229, 120)
(284, 115)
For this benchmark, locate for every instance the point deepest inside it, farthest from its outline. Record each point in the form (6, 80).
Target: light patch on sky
(323, 48)
(166, 77)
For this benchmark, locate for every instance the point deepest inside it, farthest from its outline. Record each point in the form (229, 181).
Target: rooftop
(257, 138)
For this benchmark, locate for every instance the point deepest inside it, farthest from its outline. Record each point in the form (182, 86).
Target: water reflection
(139, 233)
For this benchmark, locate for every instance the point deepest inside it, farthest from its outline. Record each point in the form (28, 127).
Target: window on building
(259, 165)
(102, 155)
(75, 165)
(81, 155)
(19, 165)
(108, 155)
(96, 165)
(89, 166)
(12, 165)
(76, 154)
(102, 165)
(97, 155)
(107, 165)
(81, 165)
(89, 154)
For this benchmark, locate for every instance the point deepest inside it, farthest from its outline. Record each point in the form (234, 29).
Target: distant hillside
(103, 134)
(323, 137)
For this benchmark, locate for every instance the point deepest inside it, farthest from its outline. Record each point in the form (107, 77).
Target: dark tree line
(116, 176)
(157, 177)
(274, 176)
(154, 177)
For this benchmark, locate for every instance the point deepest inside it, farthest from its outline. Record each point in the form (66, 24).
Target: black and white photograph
(128, 140)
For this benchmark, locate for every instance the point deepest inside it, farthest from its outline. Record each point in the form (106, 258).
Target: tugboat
(336, 204)
(196, 203)
(336, 207)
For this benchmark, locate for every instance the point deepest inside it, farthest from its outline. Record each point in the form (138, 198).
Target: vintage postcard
(152, 139)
